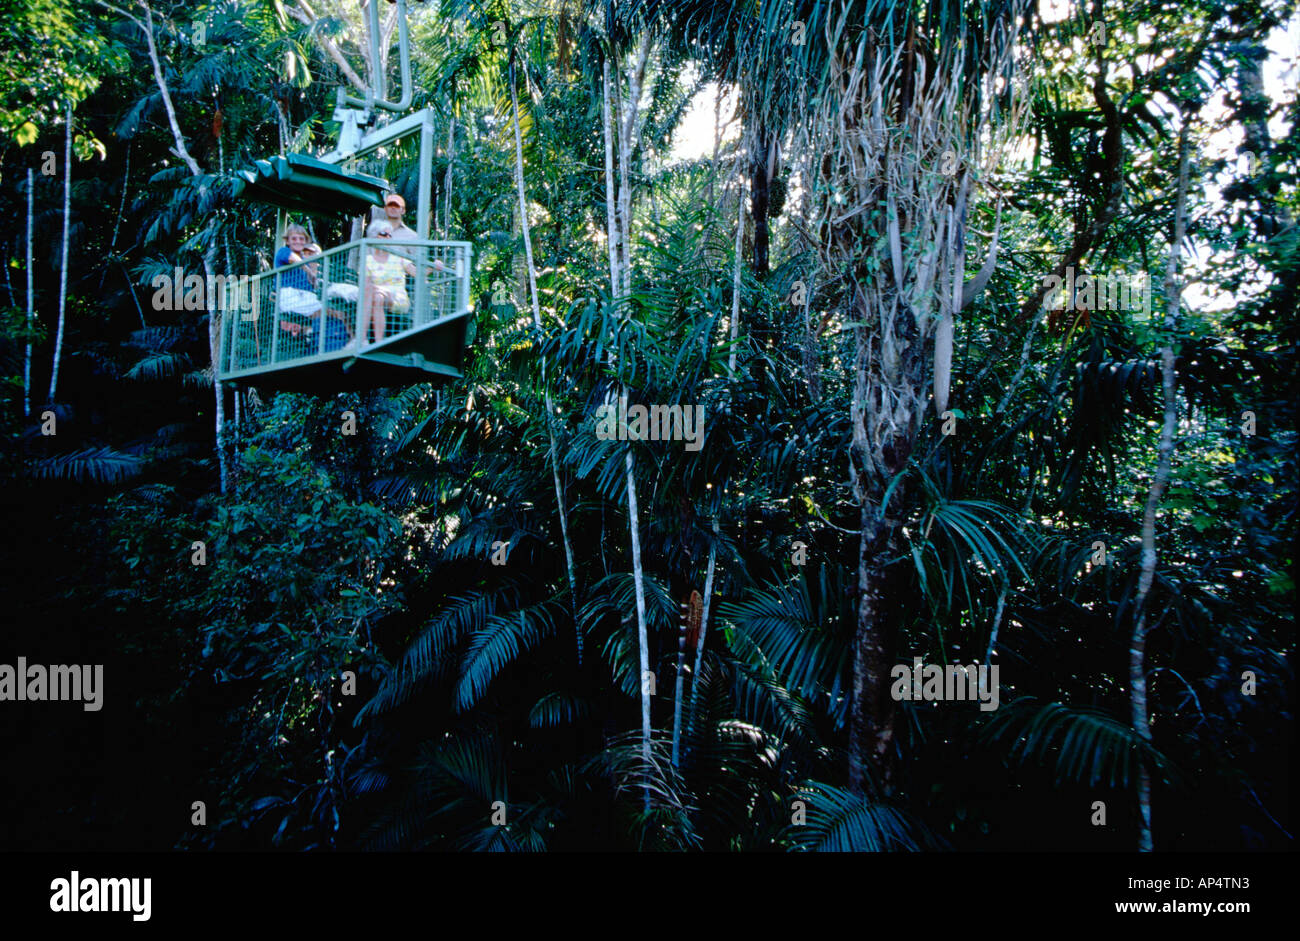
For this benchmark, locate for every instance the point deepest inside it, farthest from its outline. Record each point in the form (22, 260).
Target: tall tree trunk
(446, 189)
(63, 266)
(871, 717)
(642, 640)
(537, 323)
(611, 211)
(214, 347)
(31, 298)
(523, 201)
(181, 149)
(183, 152)
(620, 287)
(871, 190)
(735, 277)
(626, 147)
(1159, 481)
(121, 211)
(704, 622)
(679, 679)
(238, 394)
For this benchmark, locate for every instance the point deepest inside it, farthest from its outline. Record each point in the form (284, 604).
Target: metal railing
(341, 302)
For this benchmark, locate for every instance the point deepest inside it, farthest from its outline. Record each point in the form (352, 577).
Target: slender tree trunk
(643, 641)
(451, 162)
(1159, 481)
(112, 245)
(704, 622)
(214, 346)
(537, 323)
(735, 277)
(523, 202)
(626, 147)
(611, 223)
(182, 151)
(997, 623)
(307, 17)
(9, 281)
(63, 267)
(235, 428)
(620, 286)
(31, 301)
(678, 681)
(121, 210)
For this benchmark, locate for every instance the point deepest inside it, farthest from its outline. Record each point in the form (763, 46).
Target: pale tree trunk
(214, 346)
(643, 641)
(308, 17)
(1159, 481)
(238, 395)
(182, 151)
(611, 225)
(620, 286)
(627, 145)
(537, 323)
(687, 613)
(523, 202)
(31, 308)
(735, 276)
(63, 267)
(704, 622)
(117, 223)
(451, 162)
(627, 142)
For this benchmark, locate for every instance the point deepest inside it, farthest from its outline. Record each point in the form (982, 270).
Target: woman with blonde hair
(296, 291)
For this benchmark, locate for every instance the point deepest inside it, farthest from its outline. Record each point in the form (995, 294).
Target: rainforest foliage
(430, 633)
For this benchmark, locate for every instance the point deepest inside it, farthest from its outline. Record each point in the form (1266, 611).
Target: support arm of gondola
(380, 83)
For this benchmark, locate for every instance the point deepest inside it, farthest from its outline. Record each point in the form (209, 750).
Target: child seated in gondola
(337, 332)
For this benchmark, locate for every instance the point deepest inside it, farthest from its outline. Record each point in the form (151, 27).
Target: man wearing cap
(394, 208)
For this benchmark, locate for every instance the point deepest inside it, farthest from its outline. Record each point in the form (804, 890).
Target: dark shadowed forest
(794, 425)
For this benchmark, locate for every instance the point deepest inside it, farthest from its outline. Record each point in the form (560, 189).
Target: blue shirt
(297, 278)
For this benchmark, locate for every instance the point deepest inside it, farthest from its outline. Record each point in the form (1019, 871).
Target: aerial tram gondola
(325, 346)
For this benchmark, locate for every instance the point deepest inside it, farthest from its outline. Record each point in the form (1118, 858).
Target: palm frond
(839, 821)
(1086, 745)
(91, 465)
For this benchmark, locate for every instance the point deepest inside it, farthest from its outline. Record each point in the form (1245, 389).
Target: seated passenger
(337, 332)
(385, 284)
(295, 289)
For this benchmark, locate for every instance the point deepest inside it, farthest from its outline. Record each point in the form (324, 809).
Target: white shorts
(398, 301)
(298, 301)
(343, 292)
